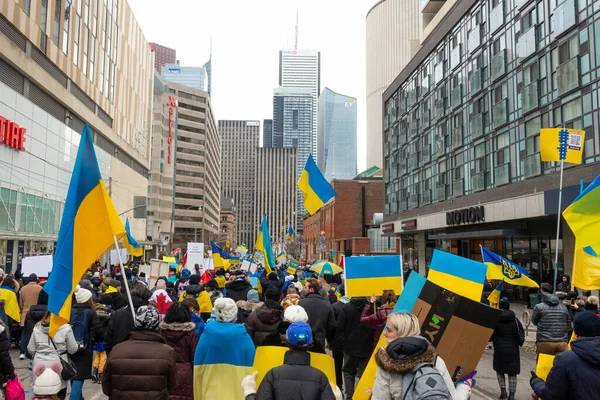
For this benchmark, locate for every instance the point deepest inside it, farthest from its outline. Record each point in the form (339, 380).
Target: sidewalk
(531, 330)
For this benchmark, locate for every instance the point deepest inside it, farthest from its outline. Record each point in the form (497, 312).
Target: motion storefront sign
(387, 228)
(469, 215)
(409, 225)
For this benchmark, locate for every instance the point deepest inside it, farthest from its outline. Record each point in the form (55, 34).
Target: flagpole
(562, 165)
(125, 278)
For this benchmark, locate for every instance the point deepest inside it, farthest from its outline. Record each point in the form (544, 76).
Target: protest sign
(114, 256)
(39, 265)
(365, 276)
(195, 255)
(269, 357)
(158, 268)
(245, 265)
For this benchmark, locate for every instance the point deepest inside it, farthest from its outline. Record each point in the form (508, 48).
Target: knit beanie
(186, 273)
(225, 310)
(195, 279)
(586, 324)
(252, 296)
(295, 314)
(504, 303)
(47, 381)
(272, 294)
(115, 283)
(82, 295)
(146, 317)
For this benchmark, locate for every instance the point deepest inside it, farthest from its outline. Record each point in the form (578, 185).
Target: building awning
(476, 234)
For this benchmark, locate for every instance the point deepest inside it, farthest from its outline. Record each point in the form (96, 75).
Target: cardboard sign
(269, 357)
(195, 255)
(544, 365)
(114, 256)
(39, 265)
(245, 265)
(158, 268)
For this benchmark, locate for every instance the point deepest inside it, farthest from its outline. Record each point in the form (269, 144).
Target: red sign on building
(172, 104)
(12, 135)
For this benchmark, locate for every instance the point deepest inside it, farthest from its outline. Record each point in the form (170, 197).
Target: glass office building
(336, 135)
(461, 129)
(194, 77)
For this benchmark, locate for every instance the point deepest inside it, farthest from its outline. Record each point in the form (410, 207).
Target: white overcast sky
(247, 36)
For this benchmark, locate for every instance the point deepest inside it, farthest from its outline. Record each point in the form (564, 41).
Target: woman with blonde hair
(409, 353)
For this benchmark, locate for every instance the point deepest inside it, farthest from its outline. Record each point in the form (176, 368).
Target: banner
(195, 255)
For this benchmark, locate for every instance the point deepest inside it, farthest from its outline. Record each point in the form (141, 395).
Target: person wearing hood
(375, 315)
(265, 319)
(47, 350)
(296, 379)
(405, 350)
(270, 280)
(575, 374)
(238, 288)
(212, 287)
(121, 323)
(565, 285)
(320, 313)
(553, 321)
(508, 336)
(183, 281)
(178, 331)
(125, 379)
(36, 314)
(199, 323)
(114, 291)
(356, 341)
(224, 355)
(292, 297)
(28, 297)
(105, 281)
(246, 307)
(196, 291)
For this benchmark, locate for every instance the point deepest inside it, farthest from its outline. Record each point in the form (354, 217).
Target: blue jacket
(196, 319)
(575, 374)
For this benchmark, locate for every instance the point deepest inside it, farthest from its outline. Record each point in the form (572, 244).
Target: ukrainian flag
(457, 274)
(494, 297)
(130, 243)
(220, 258)
(583, 215)
(317, 191)
(560, 144)
(370, 275)
(242, 250)
(290, 233)
(586, 269)
(87, 230)
(263, 244)
(500, 268)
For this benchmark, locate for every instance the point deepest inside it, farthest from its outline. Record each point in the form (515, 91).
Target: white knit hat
(298, 286)
(295, 314)
(82, 295)
(225, 310)
(47, 381)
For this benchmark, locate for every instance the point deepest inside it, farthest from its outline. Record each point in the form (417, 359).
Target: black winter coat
(84, 359)
(7, 370)
(507, 340)
(320, 317)
(118, 301)
(294, 380)
(34, 315)
(263, 321)
(575, 374)
(356, 339)
(120, 325)
(336, 344)
(238, 290)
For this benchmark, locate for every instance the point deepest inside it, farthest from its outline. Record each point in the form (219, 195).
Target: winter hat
(295, 314)
(252, 296)
(42, 298)
(82, 295)
(47, 381)
(186, 273)
(299, 334)
(298, 286)
(225, 310)
(195, 279)
(146, 317)
(289, 278)
(586, 324)
(504, 303)
(115, 283)
(33, 278)
(273, 276)
(272, 294)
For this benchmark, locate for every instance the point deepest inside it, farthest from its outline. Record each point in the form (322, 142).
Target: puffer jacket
(552, 319)
(7, 370)
(296, 379)
(183, 339)
(376, 320)
(508, 336)
(399, 358)
(575, 374)
(244, 310)
(356, 339)
(123, 378)
(238, 290)
(121, 324)
(263, 321)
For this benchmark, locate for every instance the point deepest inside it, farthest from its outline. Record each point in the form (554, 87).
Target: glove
(249, 384)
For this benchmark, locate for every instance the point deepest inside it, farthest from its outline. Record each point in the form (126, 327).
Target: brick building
(344, 222)
(163, 55)
(228, 229)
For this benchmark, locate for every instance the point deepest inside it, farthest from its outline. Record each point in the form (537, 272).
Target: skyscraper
(302, 69)
(293, 127)
(267, 140)
(240, 139)
(163, 55)
(336, 135)
(208, 68)
(275, 187)
(193, 77)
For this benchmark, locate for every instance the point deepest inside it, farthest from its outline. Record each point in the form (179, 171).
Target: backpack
(79, 324)
(424, 382)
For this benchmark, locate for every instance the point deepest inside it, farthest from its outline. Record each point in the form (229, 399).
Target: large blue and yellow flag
(130, 243)
(371, 275)
(317, 191)
(583, 216)
(500, 268)
(87, 230)
(457, 274)
(263, 244)
(220, 258)
(586, 268)
(561, 144)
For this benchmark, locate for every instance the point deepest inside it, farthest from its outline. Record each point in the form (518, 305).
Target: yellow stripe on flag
(469, 289)
(369, 286)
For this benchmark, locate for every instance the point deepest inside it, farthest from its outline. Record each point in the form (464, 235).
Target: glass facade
(336, 135)
(194, 77)
(468, 118)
